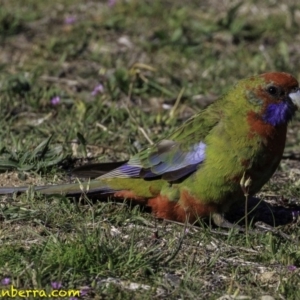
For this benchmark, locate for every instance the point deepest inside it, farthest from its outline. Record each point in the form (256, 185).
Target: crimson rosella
(197, 170)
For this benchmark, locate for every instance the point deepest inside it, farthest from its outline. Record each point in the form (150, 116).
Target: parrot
(200, 170)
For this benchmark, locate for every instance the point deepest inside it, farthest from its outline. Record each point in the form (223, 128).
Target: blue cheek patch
(279, 113)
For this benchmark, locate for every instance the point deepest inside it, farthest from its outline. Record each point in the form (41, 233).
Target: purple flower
(56, 285)
(97, 89)
(55, 100)
(73, 298)
(70, 20)
(111, 3)
(5, 281)
(292, 268)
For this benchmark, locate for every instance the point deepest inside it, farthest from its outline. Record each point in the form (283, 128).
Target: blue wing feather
(168, 162)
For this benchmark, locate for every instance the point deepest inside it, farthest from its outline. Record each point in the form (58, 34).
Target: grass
(155, 64)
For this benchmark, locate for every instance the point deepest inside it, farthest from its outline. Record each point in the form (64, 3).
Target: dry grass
(144, 54)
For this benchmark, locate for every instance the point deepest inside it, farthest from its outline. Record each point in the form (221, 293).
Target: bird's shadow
(259, 210)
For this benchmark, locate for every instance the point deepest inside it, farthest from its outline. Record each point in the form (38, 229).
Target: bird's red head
(279, 96)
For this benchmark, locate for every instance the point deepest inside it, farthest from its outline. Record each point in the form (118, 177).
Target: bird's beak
(295, 97)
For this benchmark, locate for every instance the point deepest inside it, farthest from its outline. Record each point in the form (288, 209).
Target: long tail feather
(88, 171)
(66, 189)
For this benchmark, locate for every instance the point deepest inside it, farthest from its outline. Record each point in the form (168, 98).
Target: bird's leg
(220, 221)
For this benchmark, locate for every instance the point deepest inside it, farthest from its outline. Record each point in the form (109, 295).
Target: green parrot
(197, 171)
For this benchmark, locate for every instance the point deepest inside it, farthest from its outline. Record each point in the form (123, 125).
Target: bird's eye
(272, 90)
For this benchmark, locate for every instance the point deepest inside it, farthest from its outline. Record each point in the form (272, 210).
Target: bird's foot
(220, 221)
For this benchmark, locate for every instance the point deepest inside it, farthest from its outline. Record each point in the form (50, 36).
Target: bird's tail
(89, 171)
(93, 186)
